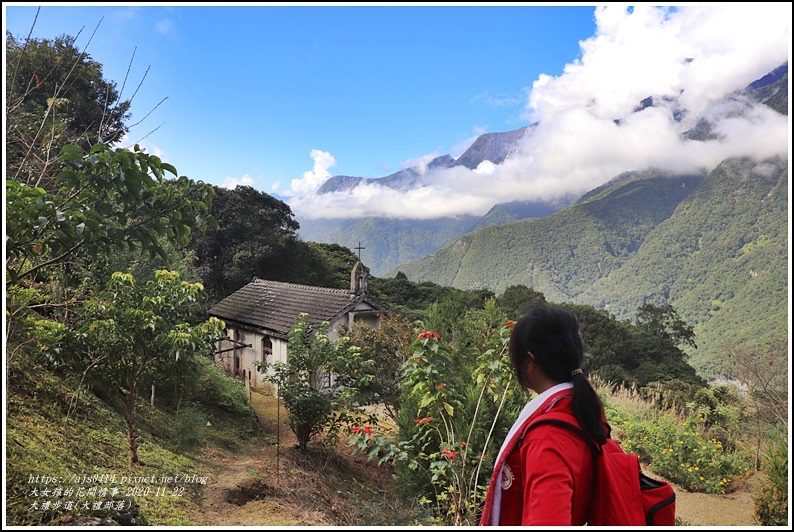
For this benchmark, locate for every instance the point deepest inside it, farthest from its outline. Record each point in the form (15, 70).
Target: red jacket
(547, 481)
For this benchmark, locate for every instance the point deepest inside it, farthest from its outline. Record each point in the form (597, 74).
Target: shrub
(450, 433)
(771, 499)
(316, 406)
(677, 450)
(189, 422)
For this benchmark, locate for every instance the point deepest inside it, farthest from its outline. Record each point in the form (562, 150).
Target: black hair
(552, 335)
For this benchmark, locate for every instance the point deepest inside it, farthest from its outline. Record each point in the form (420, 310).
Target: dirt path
(244, 492)
(254, 486)
(705, 509)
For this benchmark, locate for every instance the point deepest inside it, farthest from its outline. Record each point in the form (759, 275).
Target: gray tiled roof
(274, 305)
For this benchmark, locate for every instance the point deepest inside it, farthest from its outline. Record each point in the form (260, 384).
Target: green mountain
(387, 242)
(721, 260)
(714, 246)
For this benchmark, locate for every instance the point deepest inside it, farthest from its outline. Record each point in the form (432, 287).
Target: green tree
(517, 300)
(100, 199)
(632, 354)
(321, 381)
(389, 347)
(134, 335)
(664, 322)
(55, 95)
(339, 262)
(256, 236)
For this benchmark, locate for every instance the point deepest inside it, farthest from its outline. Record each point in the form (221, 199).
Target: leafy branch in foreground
(103, 198)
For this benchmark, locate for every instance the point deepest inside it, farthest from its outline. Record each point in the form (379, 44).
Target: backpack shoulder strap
(566, 421)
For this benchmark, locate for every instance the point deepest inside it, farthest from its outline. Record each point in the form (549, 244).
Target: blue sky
(283, 97)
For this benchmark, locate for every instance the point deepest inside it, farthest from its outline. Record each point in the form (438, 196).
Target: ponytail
(552, 335)
(587, 407)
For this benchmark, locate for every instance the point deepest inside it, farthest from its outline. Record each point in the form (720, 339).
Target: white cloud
(164, 26)
(231, 183)
(313, 179)
(693, 57)
(420, 163)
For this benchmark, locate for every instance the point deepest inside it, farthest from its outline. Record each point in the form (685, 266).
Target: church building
(260, 315)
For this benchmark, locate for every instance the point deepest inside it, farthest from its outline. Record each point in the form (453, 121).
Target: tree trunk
(130, 415)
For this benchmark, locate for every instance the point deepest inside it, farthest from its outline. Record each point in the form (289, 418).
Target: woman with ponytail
(544, 477)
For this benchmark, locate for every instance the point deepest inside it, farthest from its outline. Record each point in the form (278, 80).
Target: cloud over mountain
(589, 128)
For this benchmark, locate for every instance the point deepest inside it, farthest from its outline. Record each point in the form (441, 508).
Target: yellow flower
(697, 468)
(690, 469)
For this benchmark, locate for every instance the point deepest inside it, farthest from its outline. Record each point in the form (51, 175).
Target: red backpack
(622, 494)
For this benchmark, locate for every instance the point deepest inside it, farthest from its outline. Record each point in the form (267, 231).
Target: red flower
(428, 334)
(449, 453)
(356, 430)
(509, 323)
(442, 385)
(423, 420)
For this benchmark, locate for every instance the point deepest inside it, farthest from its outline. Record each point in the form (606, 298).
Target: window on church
(267, 348)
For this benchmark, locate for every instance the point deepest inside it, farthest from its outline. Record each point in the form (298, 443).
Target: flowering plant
(452, 431)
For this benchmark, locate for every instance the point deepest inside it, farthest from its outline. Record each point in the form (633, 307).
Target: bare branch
(127, 75)
(141, 83)
(150, 112)
(22, 54)
(149, 133)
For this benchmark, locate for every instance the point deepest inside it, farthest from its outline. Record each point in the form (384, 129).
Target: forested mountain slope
(563, 254)
(721, 260)
(714, 247)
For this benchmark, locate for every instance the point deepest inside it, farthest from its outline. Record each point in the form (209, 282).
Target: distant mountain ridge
(390, 242)
(714, 246)
(492, 147)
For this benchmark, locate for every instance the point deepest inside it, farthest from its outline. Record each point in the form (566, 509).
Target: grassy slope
(250, 480)
(54, 432)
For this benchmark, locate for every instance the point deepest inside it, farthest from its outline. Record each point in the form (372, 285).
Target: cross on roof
(359, 248)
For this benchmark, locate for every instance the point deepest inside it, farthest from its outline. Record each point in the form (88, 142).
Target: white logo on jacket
(507, 477)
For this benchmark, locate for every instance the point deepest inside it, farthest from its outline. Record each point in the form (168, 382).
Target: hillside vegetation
(221, 461)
